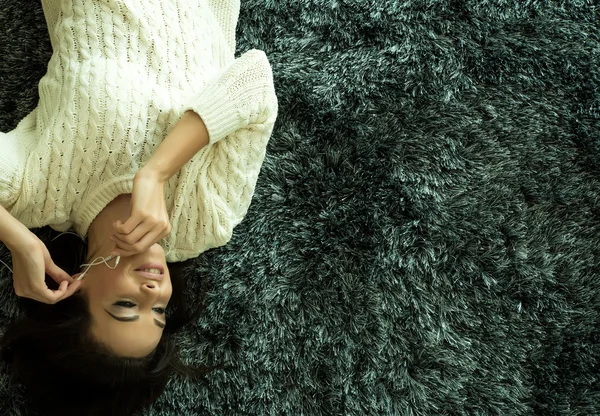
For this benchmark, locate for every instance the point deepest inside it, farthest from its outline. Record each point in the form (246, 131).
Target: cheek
(102, 282)
(170, 290)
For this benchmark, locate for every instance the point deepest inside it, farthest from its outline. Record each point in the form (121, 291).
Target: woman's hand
(149, 220)
(31, 261)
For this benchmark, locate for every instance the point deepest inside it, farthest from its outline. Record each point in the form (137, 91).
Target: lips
(151, 276)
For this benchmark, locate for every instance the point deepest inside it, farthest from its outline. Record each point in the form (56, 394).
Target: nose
(151, 290)
(152, 286)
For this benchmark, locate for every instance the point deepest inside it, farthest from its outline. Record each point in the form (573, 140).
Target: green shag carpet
(425, 234)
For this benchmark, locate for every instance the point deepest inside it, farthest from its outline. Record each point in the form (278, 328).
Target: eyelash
(126, 304)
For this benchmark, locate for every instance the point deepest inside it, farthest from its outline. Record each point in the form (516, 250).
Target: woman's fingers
(149, 218)
(147, 241)
(30, 267)
(52, 296)
(127, 240)
(45, 295)
(129, 226)
(58, 274)
(42, 293)
(123, 253)
(69, 290)
(130, 232)
(64, 291)
(143, 237)
(130, 244)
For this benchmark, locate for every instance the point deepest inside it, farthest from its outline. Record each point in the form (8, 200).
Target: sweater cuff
(218, 111)
(234, 98)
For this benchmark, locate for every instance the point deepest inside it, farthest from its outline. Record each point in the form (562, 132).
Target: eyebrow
(134, 318)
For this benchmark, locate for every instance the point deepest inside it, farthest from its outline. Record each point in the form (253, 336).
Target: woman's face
(127, 304)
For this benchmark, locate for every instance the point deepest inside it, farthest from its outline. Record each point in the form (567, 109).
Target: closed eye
(133, 318)
(127, 304)
(124, 304)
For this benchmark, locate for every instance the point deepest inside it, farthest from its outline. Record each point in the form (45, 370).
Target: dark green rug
(425, 234)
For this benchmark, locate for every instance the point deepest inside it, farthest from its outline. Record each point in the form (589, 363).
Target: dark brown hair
(51, 350)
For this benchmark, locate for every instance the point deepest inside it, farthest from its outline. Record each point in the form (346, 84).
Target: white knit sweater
(121, 75)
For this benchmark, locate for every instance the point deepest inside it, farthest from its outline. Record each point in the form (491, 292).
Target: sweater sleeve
(235, 98)
(233, 172)
(219, 193)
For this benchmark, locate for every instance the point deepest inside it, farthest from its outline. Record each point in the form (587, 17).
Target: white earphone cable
(104, 260)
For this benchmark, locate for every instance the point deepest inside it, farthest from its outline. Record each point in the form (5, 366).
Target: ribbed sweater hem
(99, 199)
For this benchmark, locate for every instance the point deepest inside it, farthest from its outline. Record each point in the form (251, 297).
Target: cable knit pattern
(121, 75)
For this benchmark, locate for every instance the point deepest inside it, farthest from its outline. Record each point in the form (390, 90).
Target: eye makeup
(127, 304)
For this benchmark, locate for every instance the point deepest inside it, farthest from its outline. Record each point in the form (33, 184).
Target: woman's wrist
(186, 139)
(152, 173)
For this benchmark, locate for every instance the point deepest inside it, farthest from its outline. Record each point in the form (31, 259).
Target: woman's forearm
(186, 139)
(12, 232)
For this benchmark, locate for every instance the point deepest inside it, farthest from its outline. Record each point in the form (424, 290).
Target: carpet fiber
(425, 234)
